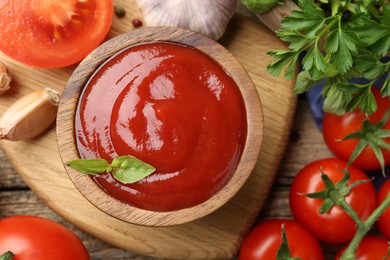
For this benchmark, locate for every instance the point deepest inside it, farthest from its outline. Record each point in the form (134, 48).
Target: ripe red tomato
(265, 239)
(371, 247)
(335, 128)
(383, 221)
(334, 226)
(53, 33)
(30, 237)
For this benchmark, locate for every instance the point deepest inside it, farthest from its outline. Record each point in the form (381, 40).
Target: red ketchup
(171, 106)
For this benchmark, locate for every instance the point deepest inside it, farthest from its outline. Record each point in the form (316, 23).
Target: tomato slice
(53, 33)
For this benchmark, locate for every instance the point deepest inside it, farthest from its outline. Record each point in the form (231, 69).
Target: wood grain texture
(67, 112)
(38, 162)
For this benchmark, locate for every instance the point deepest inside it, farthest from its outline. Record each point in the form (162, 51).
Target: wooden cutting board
(215, 236)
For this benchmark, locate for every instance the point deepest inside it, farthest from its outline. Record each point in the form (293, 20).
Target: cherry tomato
(383, 221)
(370, 248)
(334, 226)
(53, 33)
(335, 128)
(31, 237)
(265, 239)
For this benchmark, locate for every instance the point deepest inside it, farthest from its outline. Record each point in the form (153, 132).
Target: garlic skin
(30, 115)
(5, 78)
(208, 17)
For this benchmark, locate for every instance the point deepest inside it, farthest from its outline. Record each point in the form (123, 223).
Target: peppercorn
(136, 22)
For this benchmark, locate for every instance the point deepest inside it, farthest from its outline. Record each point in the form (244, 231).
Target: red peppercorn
(136, 22)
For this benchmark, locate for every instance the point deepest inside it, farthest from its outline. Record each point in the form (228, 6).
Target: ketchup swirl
(171, 106)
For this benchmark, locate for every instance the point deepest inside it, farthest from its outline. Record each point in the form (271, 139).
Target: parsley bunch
(349, 42)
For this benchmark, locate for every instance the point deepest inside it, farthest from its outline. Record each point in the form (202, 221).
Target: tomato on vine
(336, 127)
(383, 221)
(371, 247)
(334, 225)
(265, 240)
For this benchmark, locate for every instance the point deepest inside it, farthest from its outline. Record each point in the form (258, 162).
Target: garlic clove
(5, 78)
(209, 18)
(30, 115)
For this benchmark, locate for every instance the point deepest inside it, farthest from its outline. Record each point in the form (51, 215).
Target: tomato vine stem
(363, 226)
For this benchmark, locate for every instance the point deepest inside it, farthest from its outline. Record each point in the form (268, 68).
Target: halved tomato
(53, 33)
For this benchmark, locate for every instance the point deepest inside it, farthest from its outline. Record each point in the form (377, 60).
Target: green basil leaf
(90, 166)
(128, 169)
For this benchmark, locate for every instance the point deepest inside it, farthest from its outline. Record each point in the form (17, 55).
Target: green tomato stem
(335, 6)
(7, 256)
(352, 213)
(363, 227)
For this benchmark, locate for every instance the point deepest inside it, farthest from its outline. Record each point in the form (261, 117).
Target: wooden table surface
(305, 145)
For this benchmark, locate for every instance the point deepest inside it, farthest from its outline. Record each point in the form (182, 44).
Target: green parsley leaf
(310, 17)
(386, 15)
(303, 82)
(366, 100)
(370, 31)
(296, 39)
(374, 33)
(314, 63)
(385, 91)
(369, 67)
(336, 49)
(337, 99)
(342, 45)
(286, 58)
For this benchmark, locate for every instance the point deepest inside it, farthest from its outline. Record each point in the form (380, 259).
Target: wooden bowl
(123, 211)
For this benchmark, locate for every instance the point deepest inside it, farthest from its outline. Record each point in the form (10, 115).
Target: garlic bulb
(208, 17)
(5, 78)
(30, 115)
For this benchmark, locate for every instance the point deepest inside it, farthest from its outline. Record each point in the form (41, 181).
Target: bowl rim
(121, 210)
